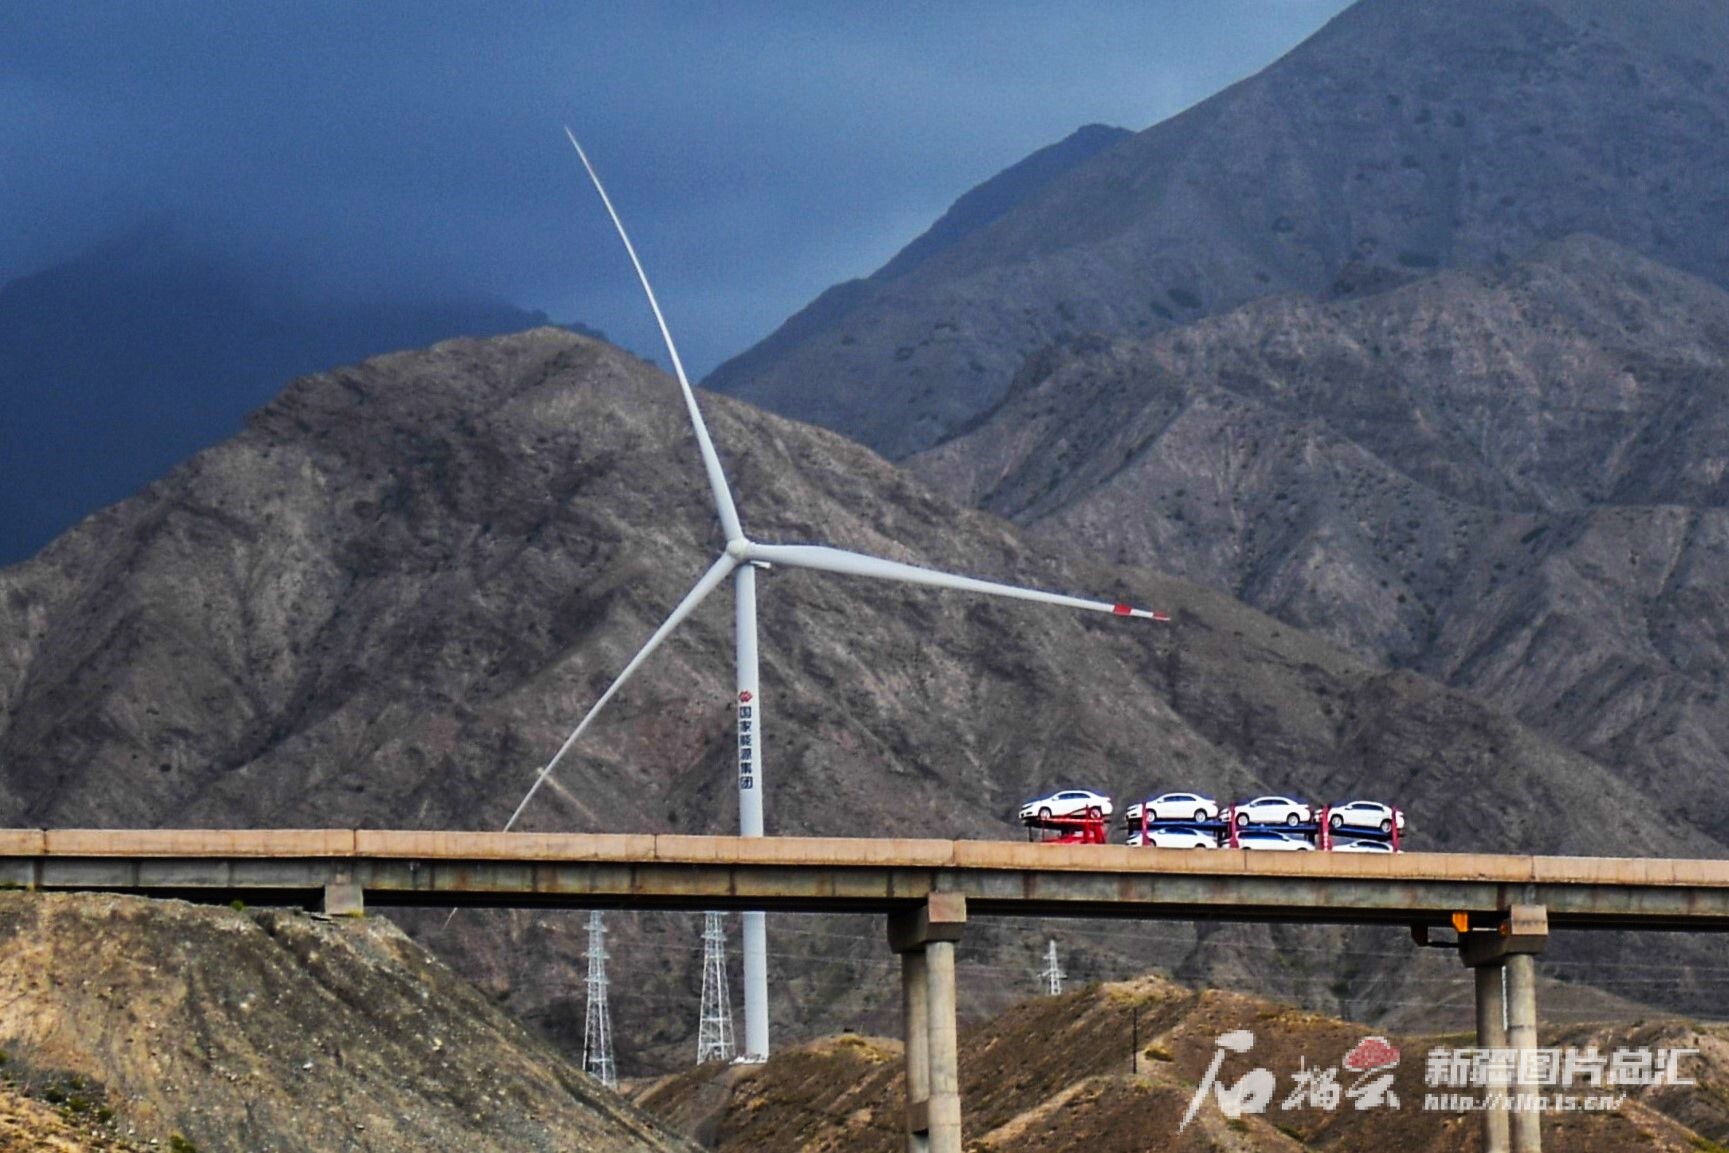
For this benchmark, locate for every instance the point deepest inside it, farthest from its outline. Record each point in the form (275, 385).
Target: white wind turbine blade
(858, 564)
(723, 505)
(717, 573)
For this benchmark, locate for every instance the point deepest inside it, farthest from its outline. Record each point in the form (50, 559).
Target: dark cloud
(759, 153)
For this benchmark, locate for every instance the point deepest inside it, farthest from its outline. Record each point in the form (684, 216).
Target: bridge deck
(863, 875)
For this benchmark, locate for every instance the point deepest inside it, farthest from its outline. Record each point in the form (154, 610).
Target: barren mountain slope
(1513, 481)
(272, 1031)
(31, 1123)
(1063, 1074)
(385, 602)
(1404, 136)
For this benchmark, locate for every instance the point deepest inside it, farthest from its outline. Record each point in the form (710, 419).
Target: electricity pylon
(597, 1026)
(1053, 974)
(714, 1031)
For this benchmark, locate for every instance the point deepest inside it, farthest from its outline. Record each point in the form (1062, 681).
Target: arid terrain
(1065, 1073)
(385, 601)
(134, 1024)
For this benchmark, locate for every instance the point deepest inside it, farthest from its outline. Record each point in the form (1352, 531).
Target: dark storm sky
(759, 153)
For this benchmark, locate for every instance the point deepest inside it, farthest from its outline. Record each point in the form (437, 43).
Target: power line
(1190, 944)
(1681, 975)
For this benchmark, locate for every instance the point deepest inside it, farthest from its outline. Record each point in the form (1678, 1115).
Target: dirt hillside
(1064, 1074)
(268, 1031)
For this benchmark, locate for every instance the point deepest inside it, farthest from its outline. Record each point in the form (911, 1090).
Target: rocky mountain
(388, 598)
(1403, 137)
(1112, 1068)
(968, 216)
(138, 1024)
(1511, 480)
(121, 363)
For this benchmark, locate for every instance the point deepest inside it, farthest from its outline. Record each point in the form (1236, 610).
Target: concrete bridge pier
(1503, 958)
(1522, 1038)
(1492, 1034)
(925, 938)
(343, 898)
(915, 1026)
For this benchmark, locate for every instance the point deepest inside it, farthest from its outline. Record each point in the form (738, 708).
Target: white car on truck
(1365, 815)
(1067, 803)
(1274, 840)
(1274, 811)
(1362, 846)
(1173, 807)
(1175, 838)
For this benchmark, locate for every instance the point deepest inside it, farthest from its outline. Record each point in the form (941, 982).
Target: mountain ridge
(1399, 139)
(1511, 480)
(388, 598)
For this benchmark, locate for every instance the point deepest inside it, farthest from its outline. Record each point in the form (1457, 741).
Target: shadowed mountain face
(386, 601)
(1513, 481)
(118, 365)
(1403, 137)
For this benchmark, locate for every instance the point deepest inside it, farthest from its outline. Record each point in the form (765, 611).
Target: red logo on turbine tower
(744, 697)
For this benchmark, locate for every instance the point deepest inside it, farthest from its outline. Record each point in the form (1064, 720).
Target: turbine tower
(714, 1029)
(597, 1024)
(739, 560)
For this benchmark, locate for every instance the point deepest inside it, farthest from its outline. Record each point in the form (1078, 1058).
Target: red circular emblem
(744, 697)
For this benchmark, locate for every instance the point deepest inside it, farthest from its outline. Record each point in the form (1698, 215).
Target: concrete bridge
(1495, 910)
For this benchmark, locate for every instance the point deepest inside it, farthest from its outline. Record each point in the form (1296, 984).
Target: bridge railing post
(1504, 959)
(925, 938)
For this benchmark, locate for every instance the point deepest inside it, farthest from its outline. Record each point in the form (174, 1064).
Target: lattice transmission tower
(1052, 974)
(597, 1027)
(714, 1031)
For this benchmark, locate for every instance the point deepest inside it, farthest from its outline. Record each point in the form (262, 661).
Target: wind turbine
(740, 560)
